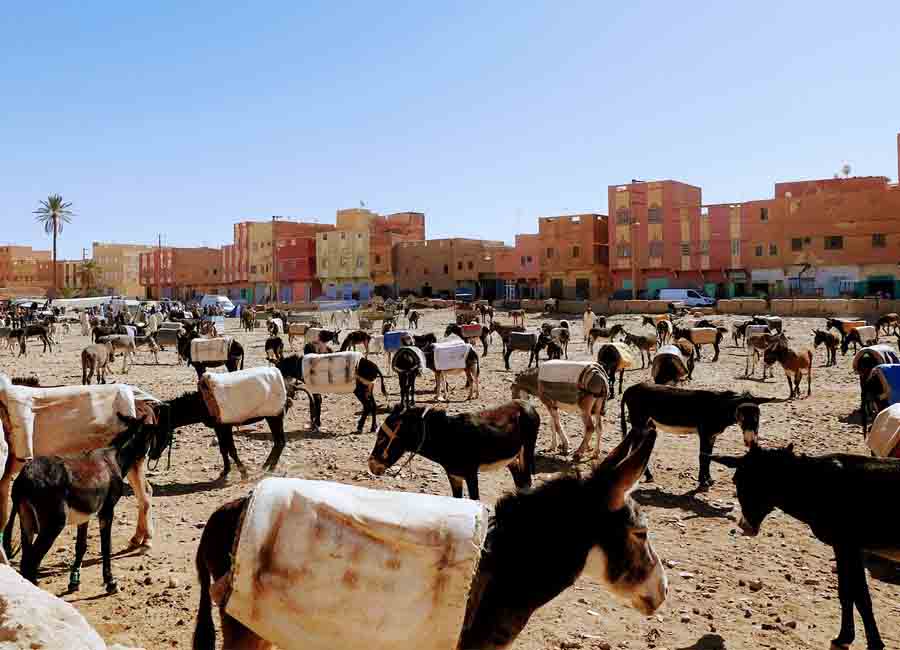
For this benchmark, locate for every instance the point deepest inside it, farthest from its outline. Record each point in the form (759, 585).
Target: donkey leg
(222, 438)
(585, 410)
(106, 519)
(80, 550)
(276, 426)
(456, 485)
(51, 525)
(143, 491)
(472, 485)
(359, 392)
(373, 406)
(863, 601)
(707, 442)
(847, 633)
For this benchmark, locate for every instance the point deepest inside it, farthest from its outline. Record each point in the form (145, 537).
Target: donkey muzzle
(747, 528)
(376, 466)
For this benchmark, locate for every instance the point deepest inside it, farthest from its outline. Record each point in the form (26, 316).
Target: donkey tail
(532, 425)
(205, 630)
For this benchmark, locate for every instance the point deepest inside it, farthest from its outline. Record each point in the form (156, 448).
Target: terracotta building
(436, 266)
(24, 271)
(296, 260)
(827, 237)
(574, 258)
(180, 273)
(659, 238)
(384, 233)
(519, 267)
(119, 266)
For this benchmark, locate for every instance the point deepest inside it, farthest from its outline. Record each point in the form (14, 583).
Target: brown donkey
(794, 362)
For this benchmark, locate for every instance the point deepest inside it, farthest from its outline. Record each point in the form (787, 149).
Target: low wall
(825, 307)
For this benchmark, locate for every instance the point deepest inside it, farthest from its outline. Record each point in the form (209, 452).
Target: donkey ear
(629, 471)
(728, 461)
(790, 448)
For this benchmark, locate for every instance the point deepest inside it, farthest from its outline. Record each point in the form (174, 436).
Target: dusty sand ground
(726, 591)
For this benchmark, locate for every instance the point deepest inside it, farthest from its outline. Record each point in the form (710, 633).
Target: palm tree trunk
(54, 259)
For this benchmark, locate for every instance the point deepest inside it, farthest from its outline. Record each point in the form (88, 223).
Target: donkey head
(389, 443)
(622, 557)
(756, 490)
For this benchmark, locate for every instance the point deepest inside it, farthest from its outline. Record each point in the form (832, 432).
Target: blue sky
(183, 118)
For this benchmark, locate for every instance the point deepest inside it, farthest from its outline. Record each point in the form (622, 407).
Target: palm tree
(52, 214)
(90, 274)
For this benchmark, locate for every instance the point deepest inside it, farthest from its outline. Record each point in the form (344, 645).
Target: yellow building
(262, 260)
(119, 268)
(342, 256)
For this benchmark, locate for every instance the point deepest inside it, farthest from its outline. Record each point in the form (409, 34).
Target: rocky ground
(726, 591)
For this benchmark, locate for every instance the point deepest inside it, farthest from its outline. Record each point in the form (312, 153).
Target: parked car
(690, 297)
(464, 295)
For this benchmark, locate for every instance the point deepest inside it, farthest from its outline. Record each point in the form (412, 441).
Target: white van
(690, 297)
(221, 301)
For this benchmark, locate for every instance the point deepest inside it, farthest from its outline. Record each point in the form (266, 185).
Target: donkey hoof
(837, 645)
(112, 587)
(73, 587)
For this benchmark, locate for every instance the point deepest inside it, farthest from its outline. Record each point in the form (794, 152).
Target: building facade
(180, 273)
(343, 256)
(119, 268)
(519, 268)
(442, 266)
(24, 271)
(574, 257)
(385, 232)
(295, 260)
(659, 237)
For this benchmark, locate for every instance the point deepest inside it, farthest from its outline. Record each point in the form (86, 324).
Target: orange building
(443, 266)
(24, 271)
(519, 268)
(574, 256)
(180, 273)
(384, 233)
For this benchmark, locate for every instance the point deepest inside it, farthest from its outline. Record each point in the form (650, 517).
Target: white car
(690, 297)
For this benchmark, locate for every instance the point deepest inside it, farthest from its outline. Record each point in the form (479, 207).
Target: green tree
(90, 274)
(52, 214)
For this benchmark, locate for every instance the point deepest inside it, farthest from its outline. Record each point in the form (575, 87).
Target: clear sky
(184, 117)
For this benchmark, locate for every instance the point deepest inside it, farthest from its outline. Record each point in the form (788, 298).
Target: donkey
(590, 405)
(22, 334)
(413, 319)
(366, 375)
(833, 495)
(696, 336)
(683, 411)
(888, 323)
(518, 316)
(472, 372)
(95, 358)
(859, 337)
(462, 444)
(603, 333)
(830, 340)
(664, 331)
(504, 332)
(612, 547)
(794, 362)
(487, 313)
(248, 320)
(554, 351)
(408, 366)
(614, 359)
(453, 328)
(359, 337)
(274, 348)
(234, 362)
(149, 343)
(739, 331)
(190, 408)
(643, 343)
(123, 344)
(52, 492)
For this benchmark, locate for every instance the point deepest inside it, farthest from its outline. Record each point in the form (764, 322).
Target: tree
(52, 214)
(90, 275)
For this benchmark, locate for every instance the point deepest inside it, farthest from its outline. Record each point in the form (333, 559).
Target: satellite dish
(845, 169)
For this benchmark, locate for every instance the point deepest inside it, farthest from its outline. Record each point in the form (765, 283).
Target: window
(426, 270)
(549, 253)
(764, 214)
(359, 235)
(623, 216)
(834, 243)
(735, 247)
(459, 266)
(685, 250)
(446, 269)
(523, 260)
(324, 263)
(654, 214)
(378, 259)
(529, 259)
(470, 266)
(324, 236)
(253, 269)
(759, 251)
(796, 244)
(656, 249)
(773, 249)
(879, 241)
(343, 235)
(623, 250)
(359, 261)
(576, 251)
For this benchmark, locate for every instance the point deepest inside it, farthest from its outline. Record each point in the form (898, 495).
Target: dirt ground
(726, 591)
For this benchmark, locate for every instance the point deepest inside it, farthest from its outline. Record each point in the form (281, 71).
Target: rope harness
(392, 435)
